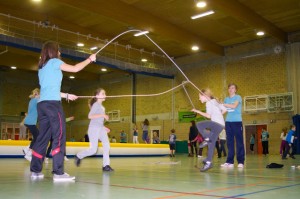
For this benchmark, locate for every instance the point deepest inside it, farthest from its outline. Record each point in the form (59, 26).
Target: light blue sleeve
(57, 63)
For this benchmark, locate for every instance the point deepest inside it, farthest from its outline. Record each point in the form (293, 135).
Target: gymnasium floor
(154, 177)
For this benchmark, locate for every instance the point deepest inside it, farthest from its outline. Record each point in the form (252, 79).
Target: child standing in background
(252, 142)
(199, 139)
(97, 131)
(172, 143)
(135, 135)
(145, 127)
(283, 140)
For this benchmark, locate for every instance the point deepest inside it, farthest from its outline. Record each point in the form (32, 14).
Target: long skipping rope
(149, 95)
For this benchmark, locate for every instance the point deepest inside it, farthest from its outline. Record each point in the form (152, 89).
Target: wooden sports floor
(155, 178)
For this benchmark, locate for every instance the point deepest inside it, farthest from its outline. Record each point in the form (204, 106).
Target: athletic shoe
(107, 168)
(77, 161)
(35, 175)
(227, 165)
(206, 167)
(28, 156)
(203, 144)
(66, 158)
(200, 156)
(293, 157)
(46, 160)
(240, 165)
(204, 161)
(63, 178)
(284, 158)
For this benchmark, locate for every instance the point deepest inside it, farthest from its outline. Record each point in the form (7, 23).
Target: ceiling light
(13, 67)
(103, 69)
(36, 0)
(144, 60)
(80, 44)
(202, 14)
(260, 33)
(94, 48)
(72, 77)
(141, 33)
(195, 48)
(201, 4)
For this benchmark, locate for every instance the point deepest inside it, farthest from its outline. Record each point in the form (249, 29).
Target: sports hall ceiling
(168, 21)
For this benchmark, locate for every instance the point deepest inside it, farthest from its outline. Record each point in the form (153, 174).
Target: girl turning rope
(210, 130)
(97, 131)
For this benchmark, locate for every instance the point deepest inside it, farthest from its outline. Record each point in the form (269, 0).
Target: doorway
(255, 129)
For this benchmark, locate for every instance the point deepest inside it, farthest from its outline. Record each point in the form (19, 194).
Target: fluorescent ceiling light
(103, 69)
(194, 48)
(80, 44)
(202, 14)
(72, 77)
(36, 0)
(141, 33)
(201, 4)
(13, 67)
(260, 33)
(94, 48)
(144, 60)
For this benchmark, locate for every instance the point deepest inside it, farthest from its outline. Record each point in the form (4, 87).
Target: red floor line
(160, 190)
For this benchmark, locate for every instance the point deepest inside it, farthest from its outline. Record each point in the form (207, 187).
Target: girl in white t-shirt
(210, 129)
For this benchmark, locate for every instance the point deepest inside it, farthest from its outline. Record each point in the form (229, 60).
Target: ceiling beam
(238, 10)
(140, 19)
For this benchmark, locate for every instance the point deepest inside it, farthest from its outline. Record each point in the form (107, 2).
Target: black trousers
(50, 149)
(34, 132)
(52, 124)
(265, 145)
(194, 148)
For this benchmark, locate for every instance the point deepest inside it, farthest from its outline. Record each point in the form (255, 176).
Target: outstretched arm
(68, 96)
(78, 67)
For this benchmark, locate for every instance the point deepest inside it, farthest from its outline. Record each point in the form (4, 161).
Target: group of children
(52, 123)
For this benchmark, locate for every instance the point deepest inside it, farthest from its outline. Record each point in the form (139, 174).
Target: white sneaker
(66, 158)
(200, 156)
(227, 165)
(63, 178)
(36, 175)
(28, 156)
(240, 165)
(46, 160)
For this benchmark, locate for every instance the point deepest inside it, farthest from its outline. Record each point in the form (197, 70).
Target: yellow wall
(265, 74)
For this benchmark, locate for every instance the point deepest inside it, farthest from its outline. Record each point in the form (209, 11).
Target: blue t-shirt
(32, 114)
(289, 137)
(50, 77)
(234, 114)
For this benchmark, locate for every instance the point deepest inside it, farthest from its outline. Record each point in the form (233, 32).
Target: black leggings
(34, 132)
